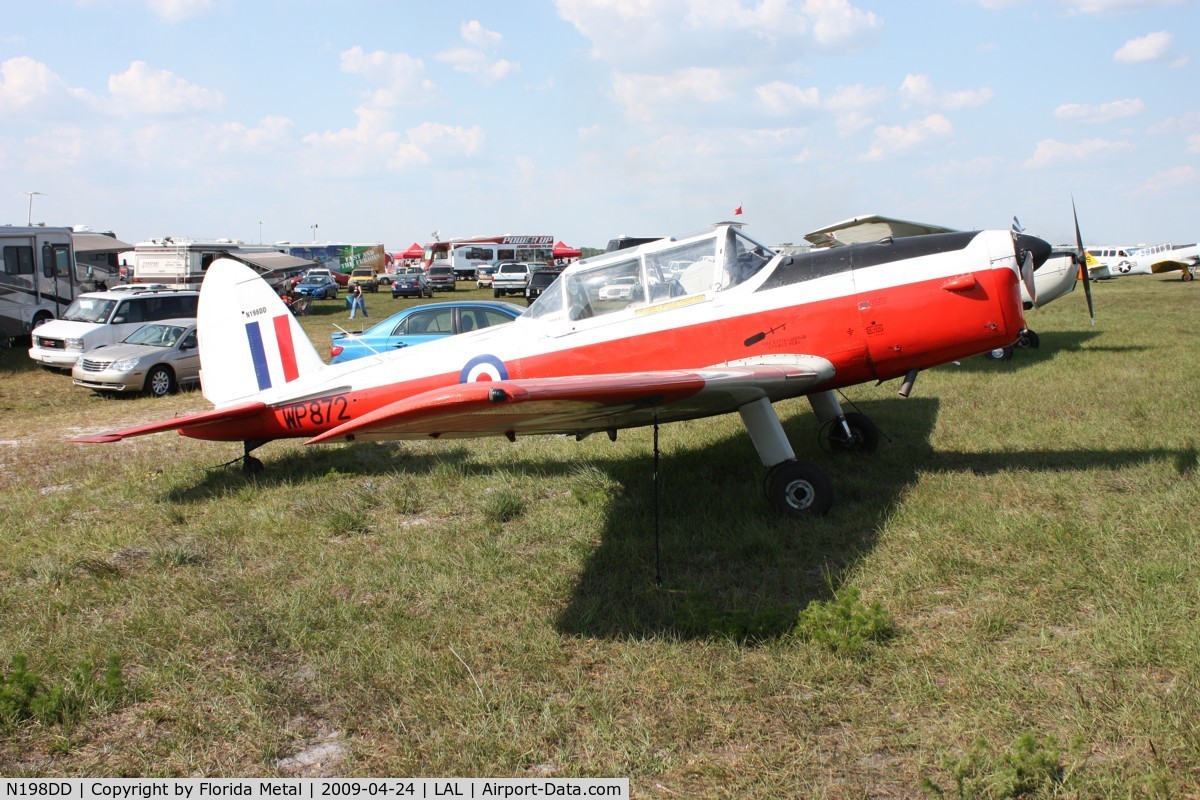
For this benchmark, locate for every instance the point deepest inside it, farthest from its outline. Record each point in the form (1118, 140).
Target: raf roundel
(483, 368)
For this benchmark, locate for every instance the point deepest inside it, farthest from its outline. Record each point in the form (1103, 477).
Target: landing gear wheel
(251, 465)
(1028, 339)
(1187, 275)
(864, 435)
(160, 382)
(1001, 354)
(799, 489)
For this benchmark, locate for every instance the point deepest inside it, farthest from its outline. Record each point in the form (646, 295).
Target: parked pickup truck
(510, 277)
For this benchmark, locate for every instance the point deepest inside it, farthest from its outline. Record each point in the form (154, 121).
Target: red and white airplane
(715, 323)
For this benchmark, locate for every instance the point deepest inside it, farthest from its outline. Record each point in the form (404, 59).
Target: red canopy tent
(414, 251)
(562, 251)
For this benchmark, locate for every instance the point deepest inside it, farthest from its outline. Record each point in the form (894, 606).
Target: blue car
(420, 324)
(318, 287)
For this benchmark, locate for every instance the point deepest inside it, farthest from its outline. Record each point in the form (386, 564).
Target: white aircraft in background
(1115, 262)
(1052, 279)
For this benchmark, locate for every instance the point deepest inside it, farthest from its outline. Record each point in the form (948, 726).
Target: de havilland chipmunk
(713, 323)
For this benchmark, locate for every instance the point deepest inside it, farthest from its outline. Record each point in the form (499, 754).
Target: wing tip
(98, 438)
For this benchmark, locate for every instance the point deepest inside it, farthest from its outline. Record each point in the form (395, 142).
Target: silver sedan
(158, 358)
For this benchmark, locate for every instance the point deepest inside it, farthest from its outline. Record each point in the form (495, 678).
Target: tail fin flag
(249, 342)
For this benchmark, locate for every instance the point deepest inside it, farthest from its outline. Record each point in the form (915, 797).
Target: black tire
(864, 435)
(495, 292)
(160, 381)
(251, 465)
(799, 489)
(1187, 275)
(1028, 340)
(40, 320)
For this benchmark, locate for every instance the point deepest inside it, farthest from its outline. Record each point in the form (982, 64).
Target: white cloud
(1151, 47)
(646, 97)
(641, 36)
(1173, 178)
(477, 58)
(918, 90)
(856, 97)
(372, 142)
(400, 77)
(1101, 113)
(473, 33)
(148, 92)
(1194, 144)
(178, 10)
(269, 136)
(890, 140)
(25, 83)
(836, 24)
(850, 105)
(1050, 151)
(1110, 6)
(781, 98)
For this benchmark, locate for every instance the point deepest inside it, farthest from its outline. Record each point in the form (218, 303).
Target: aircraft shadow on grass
(1052, 344)
(731, 567)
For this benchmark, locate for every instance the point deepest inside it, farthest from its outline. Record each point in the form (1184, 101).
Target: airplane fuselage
(956, 295)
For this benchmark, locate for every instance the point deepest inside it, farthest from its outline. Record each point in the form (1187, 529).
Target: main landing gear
(801, 488)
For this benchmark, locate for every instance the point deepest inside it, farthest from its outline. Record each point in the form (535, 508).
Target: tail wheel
(1028, 340)
(864, 435)
(799, 489)
(160, 381)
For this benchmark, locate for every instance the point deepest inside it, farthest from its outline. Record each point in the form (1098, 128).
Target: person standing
(357, 301)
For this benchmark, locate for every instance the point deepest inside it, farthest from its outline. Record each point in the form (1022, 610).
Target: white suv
(101, 318)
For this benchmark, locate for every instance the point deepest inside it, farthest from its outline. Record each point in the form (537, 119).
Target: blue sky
(587, 119)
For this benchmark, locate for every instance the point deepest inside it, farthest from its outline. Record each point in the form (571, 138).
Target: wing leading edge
(584, 404)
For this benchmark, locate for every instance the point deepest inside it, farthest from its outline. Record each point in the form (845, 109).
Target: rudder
(250, 344)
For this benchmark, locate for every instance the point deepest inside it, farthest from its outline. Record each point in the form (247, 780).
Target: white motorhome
(37, 277)
(181, 263)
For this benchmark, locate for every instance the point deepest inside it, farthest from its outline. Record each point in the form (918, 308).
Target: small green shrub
(25, 695)
(845, 625)
(1028, 767)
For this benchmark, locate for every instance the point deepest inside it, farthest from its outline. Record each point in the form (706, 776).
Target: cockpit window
(714, 262)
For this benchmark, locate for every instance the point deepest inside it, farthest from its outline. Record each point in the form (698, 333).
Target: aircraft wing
(1167, 265)
(869, 228)
(583, 404)
(196, 421)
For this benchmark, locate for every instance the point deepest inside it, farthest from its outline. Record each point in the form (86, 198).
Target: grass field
(1027, 528)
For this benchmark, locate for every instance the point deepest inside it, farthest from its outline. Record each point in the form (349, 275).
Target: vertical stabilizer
(249, 342)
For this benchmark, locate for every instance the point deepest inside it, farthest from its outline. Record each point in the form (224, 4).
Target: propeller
(1083, 267)
(1025, 258)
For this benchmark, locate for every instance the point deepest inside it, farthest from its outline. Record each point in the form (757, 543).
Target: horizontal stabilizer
(190, 422)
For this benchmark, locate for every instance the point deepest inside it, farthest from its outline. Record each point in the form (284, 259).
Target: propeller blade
(1083, 266)
(1027, 268)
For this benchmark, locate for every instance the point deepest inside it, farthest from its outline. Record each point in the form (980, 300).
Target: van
(102, 318)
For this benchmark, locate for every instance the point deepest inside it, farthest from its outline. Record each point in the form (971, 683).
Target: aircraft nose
(1038, 248)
